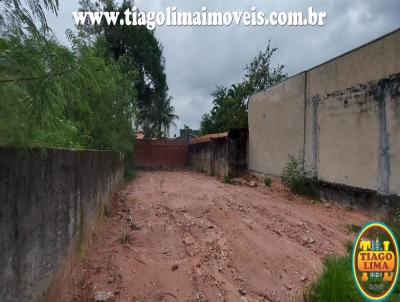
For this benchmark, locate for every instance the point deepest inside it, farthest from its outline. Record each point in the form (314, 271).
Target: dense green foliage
(92, 95)
(144, 56)
(22, 16)
(189, 131)
(53, 96)
(229, 110)
(230, 105)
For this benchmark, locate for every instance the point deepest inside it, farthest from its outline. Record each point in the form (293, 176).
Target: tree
(229, 110)
(21, 17)
(190, 131)
(207, 125)
(54, 96)
(160, 117)
(109, 96)
(260, 75)
(143, 54)
(230, 105)
(31, 92)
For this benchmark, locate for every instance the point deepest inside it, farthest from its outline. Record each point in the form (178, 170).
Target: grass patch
(349, 246)
(354, 228)
(336, 283)
(394, 224)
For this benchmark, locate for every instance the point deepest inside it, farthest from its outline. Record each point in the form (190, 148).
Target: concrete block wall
(343, 116)
(49, 199)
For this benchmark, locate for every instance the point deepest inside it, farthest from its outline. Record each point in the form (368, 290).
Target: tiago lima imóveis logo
(376, 261)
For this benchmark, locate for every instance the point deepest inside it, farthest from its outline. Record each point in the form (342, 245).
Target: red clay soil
(193, 238)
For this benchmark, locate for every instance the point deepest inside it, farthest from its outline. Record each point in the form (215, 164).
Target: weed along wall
(49, 200)
(343, 116)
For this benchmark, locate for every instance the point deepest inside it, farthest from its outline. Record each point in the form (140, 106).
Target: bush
(267, 181)
(124, 238)
(228, 180)
(298, 179)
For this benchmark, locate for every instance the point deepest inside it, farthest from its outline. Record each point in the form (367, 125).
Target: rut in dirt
(184, 236)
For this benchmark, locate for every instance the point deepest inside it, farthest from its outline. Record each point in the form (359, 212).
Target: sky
(198, 59)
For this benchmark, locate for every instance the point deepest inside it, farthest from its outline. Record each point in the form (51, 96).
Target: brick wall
(160, 153)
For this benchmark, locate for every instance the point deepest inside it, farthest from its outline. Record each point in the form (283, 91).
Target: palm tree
(160, 118)
(232, 92)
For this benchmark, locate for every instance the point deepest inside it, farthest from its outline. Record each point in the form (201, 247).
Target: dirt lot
(193, 238)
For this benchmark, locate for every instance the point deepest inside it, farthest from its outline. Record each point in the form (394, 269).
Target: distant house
(139, 135)
(186, 134)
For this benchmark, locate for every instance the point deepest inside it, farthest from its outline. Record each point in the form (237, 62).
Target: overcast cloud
(197, 59)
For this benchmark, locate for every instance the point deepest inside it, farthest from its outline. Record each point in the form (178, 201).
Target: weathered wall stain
(381, 94)
(395, 98)
(384, 92)
(315, 135)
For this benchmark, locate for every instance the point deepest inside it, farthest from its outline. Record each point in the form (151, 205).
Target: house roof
(208, 137)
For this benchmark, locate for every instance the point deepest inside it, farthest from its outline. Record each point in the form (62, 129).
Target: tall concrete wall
(349, 124)
(393, 132)
(49, 199)
(276, 125)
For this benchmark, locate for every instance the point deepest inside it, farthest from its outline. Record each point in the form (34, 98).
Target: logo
(376, 261)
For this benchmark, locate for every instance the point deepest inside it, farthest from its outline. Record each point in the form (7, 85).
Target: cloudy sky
(197, 59)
